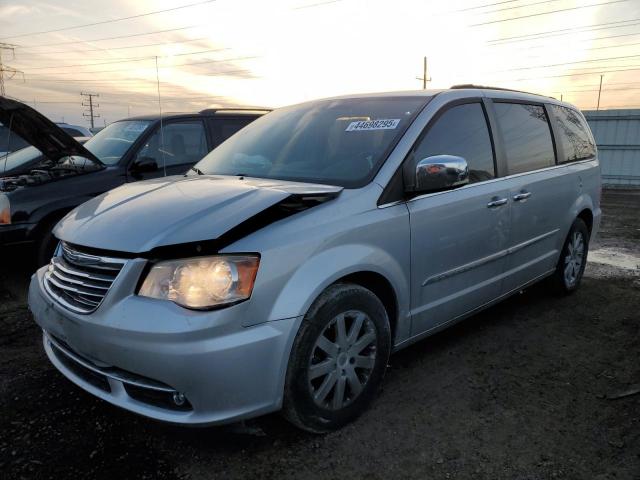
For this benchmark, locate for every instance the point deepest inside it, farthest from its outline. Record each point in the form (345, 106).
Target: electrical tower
(5, 68)
(88, 97)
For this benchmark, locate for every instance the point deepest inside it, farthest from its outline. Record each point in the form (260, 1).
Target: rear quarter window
(575, 139)
(526, 135)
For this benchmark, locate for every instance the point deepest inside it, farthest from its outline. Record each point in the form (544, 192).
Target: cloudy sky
(273, 53)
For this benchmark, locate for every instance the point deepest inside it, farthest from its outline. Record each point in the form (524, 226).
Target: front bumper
(226, 372)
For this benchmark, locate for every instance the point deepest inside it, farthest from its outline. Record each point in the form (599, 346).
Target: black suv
(36, 197)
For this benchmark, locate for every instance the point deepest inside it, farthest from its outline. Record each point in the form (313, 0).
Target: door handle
(496, 202)
(521, 196)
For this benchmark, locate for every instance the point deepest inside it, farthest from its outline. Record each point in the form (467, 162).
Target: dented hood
(144, 216)
(40, 132)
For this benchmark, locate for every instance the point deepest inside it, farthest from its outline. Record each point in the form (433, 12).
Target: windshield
(113, 141)
(21, 157)
(338, 142)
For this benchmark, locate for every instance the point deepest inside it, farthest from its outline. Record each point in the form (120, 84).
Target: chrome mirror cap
(441, 172)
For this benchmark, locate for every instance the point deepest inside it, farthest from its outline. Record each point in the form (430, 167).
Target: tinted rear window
(574, 134)
(526, 135)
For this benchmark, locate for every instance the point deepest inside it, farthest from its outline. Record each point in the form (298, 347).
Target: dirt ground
(522, 391)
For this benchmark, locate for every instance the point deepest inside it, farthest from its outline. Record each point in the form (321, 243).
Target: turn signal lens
(5, 210)
(202, 282)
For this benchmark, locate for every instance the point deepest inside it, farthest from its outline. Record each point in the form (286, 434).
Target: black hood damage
(41, 132)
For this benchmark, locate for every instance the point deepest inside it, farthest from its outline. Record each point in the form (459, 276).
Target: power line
(485, 5)
(108, 21)
(166, 66)
(113, 38)
(565, 63)
(526, 5)
(121, 48)
(566, 31)
(127, 60)
(548, 13)
(574, 74)
(319, 4)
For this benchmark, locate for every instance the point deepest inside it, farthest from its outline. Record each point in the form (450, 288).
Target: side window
(223, 128)
(73, 132)
(184, 143)
(574, 134)
(527, 136)
(462, 131)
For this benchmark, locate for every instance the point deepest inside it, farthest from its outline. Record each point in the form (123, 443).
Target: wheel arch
(380, 286)
(364, 265)
(586, 215)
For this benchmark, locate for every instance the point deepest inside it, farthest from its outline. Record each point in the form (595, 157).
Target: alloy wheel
(574, 259)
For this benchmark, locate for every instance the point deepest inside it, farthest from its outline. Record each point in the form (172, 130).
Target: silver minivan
(282, 271)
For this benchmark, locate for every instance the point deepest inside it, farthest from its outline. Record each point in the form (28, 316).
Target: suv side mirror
(144, 165)
(440, 172)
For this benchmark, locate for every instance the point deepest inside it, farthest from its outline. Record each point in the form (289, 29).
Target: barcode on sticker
(382, 124)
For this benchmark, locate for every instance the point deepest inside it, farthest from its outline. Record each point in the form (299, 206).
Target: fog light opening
(179, 399)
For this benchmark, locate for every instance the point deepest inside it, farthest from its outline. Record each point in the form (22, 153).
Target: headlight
(202, 282)
(5, 210)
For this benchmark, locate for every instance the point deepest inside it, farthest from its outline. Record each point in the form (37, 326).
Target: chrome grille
(79, 281)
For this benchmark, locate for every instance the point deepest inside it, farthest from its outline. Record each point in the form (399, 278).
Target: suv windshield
(339, 142)
(113, 141)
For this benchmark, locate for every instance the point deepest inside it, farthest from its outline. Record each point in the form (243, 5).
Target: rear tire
(338, 359)
(573, 259)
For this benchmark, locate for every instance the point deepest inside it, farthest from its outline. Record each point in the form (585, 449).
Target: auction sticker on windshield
(382, 124)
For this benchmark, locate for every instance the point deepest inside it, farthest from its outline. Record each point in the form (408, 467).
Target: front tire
(338, 359)
(46, 246)
(573, 259)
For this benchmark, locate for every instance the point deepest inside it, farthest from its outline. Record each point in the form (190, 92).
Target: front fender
(328, 266)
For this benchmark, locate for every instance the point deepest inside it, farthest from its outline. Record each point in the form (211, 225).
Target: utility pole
(5, 68)
(89, 97)
(425, 78)
(599, 92)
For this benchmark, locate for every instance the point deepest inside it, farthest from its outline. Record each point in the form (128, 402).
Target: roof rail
(485, 87)
(211, 111)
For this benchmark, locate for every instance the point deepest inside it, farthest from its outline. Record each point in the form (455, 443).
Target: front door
(170, 151)
(458, 237)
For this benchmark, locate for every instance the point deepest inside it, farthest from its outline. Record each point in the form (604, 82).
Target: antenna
(164, 163)
(6, 155)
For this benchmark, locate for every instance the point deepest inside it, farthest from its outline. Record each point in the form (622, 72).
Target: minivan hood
(143, 216)
(40, 132)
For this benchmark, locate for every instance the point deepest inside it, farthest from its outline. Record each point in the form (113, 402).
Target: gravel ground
(525, 390)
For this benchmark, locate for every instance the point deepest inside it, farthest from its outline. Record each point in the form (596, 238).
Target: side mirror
(144, 165)
(440, 172)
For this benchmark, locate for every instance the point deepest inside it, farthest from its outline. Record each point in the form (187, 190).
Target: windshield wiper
(197, 170)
